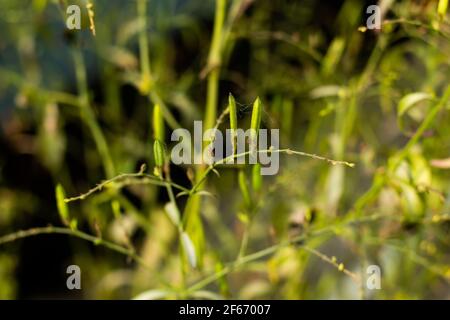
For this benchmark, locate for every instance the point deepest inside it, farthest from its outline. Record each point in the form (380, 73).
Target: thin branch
(76, 233)
(130, 253)
(270, 250)
(416, 23)
(125, 179)
(334, 263)
(285, 151)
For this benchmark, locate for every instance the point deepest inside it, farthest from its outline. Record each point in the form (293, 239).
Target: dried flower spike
(91, 14)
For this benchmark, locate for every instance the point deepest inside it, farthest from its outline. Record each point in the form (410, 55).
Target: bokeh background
(377, 98)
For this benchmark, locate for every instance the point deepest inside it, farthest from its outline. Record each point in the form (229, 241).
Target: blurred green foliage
(78, 109)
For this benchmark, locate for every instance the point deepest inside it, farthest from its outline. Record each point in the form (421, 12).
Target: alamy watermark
(373, 281)
(373, 22)
(73, 21)
(250, 146)
(74, 280)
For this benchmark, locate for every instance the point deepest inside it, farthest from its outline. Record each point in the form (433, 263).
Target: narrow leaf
(173, 213)
(410, 100)
(407, 102)
(63, 209)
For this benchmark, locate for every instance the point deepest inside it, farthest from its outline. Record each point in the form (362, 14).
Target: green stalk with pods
(249, 203)
(187, 251)
(191, 218)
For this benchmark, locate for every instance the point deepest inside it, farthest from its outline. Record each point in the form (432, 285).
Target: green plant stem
(130, 253)
(180, 231)
(88, 115)
(127, 179)
(191, 218)
(170, 119)
(214, 62)
(270, 250)
(244, 241)
(76, 233)
(146, 72)
(335, 264)
(416, 23)
(143, 41)
(27, 87)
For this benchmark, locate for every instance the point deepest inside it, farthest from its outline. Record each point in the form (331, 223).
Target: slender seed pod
(256, 115)
(91, 14)
(233, 120)
(255, 123)
(158, 153)
(233, 112)
(256, 177)
(158, 123)
(63, 209)
(254, 128)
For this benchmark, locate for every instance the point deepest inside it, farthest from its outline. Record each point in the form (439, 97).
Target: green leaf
(412, 204)
(333, 56)
(442, 8)
(173, 213)
(408, 101)
(189, 249)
